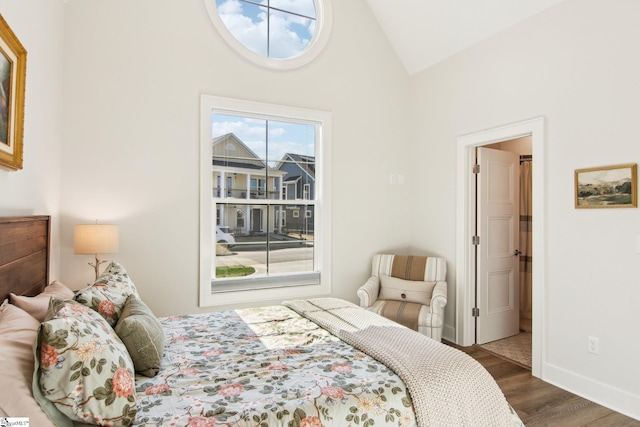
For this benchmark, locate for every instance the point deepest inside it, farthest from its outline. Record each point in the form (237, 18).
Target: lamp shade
(96, 239)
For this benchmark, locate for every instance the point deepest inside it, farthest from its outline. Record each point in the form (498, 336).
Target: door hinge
(475, 240)
(475, 312)
(476, 169)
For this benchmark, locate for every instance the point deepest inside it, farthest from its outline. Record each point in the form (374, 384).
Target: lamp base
(96, 265)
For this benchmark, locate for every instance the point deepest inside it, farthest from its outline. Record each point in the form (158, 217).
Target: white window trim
(324, 18)
(210, 104)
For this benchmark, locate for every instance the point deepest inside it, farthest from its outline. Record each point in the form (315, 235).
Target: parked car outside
(224, 235)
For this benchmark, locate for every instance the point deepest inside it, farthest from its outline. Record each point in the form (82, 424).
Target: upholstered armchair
(410, 290)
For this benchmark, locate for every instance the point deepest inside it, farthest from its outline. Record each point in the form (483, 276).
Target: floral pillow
(109, 293)
(83, 368)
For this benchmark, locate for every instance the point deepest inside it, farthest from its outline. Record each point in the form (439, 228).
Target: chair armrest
(439, 298)
(368, 293)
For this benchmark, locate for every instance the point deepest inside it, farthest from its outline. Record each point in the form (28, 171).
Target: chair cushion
(405, 313)
(409, 267)
(392, 288)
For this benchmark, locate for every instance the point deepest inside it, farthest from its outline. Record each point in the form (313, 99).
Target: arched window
(281, 34)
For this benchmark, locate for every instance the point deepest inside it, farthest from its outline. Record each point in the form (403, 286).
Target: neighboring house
(240, 179)
(299, 184)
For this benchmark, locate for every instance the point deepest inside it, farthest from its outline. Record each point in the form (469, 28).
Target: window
(229, 185)
(239, 218)
(275, 252)
(281, 34)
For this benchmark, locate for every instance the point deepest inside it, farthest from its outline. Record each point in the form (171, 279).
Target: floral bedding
(265, 367)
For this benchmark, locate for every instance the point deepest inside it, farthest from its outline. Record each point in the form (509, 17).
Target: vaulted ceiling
(425, 32)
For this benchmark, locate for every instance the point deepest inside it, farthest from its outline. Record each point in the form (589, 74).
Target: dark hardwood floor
(541, 404)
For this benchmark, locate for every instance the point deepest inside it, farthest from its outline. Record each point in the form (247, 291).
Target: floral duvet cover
(265, 367)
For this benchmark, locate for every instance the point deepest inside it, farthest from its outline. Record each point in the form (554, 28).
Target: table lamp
(96, 239)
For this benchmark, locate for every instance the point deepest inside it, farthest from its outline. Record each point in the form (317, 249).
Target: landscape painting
(607, 187)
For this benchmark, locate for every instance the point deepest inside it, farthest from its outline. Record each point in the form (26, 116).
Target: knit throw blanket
(447, 387)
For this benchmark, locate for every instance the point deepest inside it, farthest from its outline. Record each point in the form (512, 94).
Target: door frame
(465, 226)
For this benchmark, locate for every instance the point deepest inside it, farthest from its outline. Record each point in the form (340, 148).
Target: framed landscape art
(13, 70)
(607, 187)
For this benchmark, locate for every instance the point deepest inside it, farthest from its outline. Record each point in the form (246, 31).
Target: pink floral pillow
(109, 293)
(83, 368)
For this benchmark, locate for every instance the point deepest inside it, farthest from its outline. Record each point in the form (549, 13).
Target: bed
(308, 363)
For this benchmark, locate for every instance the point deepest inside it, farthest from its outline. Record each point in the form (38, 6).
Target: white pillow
(37, 306)
(406, 290)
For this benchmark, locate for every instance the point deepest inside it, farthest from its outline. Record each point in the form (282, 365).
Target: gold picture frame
(607, 187)
(13, 71)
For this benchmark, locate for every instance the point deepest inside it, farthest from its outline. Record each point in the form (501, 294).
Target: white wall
(577, 65)
(35, 189)
(134, 72)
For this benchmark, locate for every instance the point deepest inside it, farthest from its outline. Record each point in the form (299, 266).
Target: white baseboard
(602, 394)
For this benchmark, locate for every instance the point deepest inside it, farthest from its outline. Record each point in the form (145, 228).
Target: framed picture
(607, 187)
(13, 70)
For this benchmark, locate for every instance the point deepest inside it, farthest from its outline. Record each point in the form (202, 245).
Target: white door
(498, 219)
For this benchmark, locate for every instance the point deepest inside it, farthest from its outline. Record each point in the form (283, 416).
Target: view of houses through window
(263, 178)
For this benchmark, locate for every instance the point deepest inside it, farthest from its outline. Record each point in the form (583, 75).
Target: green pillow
(142, 334)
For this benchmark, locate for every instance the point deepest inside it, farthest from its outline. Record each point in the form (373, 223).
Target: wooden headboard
(24, 255)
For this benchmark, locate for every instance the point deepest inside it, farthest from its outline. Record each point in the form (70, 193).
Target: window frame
(324, 18)
(209, 105)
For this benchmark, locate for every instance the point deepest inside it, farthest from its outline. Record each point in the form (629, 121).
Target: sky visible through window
(277, 29)
(283, 137)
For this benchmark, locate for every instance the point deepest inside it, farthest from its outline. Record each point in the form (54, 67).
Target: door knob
(516, 253)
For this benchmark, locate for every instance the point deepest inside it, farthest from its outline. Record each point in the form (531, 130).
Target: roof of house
(229, 151)
(305, 163)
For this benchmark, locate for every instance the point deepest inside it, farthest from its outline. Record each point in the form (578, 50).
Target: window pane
(289, 138)
(263, 161)
(271, 240)
(243, 147)
(289, 34)
(301, 7)
(246, 22)
(250, 135)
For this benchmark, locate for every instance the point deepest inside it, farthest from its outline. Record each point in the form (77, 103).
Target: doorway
(256, 220)
(504, 283)
(465, 226)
